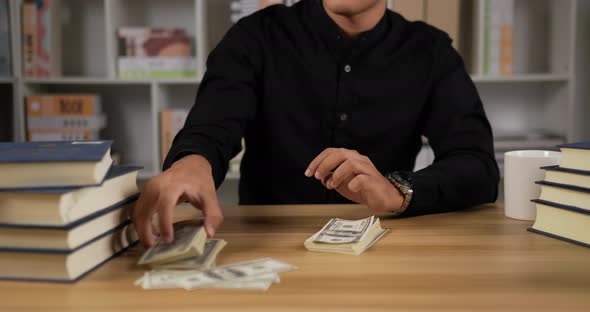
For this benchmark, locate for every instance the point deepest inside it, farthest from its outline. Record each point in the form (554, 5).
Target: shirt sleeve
(226, 100)
(464, 172)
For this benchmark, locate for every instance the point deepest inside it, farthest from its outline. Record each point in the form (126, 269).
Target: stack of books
(563, 208)
(64, 117)
(155, 53)
(41, 44)
(63, 209)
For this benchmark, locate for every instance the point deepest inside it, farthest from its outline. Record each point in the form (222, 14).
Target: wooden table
(464, 261)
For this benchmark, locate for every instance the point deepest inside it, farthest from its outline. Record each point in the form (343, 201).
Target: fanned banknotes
(351, 237)
(189, 242)
(257, 274)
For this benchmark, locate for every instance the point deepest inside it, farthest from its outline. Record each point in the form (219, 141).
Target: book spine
(29, 41)
(66, 122)
(5, 62)
(501, 34)
(62, 135)
(63, 105)
(157, 67)
(48, 38)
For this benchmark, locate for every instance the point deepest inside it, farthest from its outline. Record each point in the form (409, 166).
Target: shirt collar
(333, 36)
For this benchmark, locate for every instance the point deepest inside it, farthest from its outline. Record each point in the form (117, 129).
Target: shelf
(107, 81)
(522, 78)
(6, 80)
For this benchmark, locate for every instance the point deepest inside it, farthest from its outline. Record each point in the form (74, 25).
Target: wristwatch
(403, 182)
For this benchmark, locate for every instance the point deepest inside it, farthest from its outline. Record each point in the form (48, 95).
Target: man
(332, 98)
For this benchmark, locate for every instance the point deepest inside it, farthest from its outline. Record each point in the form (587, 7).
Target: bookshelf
(550, 89)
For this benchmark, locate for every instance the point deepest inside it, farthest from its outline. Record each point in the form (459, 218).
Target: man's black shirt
(289, 82)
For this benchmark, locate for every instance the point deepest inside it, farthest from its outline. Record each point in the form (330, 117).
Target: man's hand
(189, 179)
(355, 177)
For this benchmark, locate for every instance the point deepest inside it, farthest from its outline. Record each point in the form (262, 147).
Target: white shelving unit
(549, 92)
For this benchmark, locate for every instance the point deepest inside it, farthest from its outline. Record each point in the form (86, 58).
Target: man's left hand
(355, 177)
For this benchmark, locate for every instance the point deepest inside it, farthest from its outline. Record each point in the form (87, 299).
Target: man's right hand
(189, 179)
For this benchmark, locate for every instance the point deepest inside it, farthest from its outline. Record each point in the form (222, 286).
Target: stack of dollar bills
(350, 237)
(257, 274)
(189, 262)
(190, 249)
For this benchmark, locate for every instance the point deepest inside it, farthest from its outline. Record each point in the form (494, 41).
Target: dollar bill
(239, 272)
(202, 262)
(340, 231)
(189, 241)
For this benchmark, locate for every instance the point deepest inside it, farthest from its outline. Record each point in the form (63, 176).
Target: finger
(346, 171)
(332, 161)
(209, 204)
(359, 183)
(142, 216)
(312, 167)
(166, 204)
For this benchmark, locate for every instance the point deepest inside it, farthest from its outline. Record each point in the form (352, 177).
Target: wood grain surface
(463, 261)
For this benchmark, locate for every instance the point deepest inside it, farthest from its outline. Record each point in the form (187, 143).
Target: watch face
(401, 178)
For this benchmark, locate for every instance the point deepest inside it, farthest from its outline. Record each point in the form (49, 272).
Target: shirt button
(347, 68)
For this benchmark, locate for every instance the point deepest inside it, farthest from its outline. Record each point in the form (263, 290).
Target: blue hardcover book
(67, 237)
(50, 164)
(570, 195)
(63, 207)
(69, 265)
(567, 176)
(575, 156)
(563, 222)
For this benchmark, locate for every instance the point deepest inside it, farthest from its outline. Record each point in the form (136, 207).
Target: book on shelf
(71, 122)
(575, 156)
(64, 117)
(63, 105)
(5, 55)
(48, 38)
(29, 39)
(154, 42)
(495, 51)
(41, 23)
(50, 164)
(156, 67)
(243, 8)
(171, 122)
(49, 135)
(66, 266)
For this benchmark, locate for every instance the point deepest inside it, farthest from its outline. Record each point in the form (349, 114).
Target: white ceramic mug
(521, 170)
